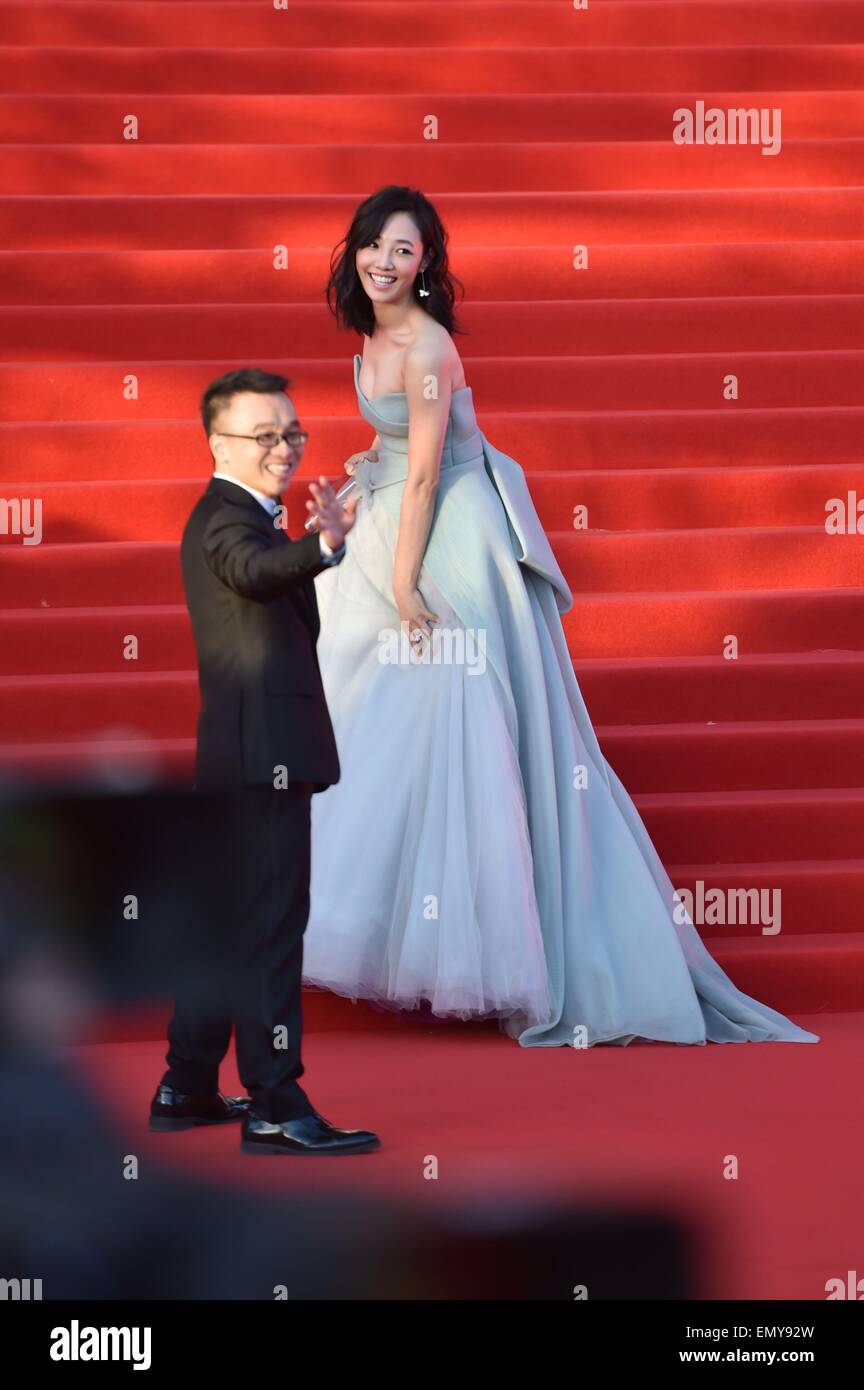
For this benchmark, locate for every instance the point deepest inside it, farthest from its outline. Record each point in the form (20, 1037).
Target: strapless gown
(479, 854)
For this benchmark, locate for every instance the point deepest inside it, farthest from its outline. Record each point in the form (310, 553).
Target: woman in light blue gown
(479, 856)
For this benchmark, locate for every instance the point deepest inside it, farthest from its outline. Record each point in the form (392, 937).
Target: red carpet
(645, 1122)
(152, 259)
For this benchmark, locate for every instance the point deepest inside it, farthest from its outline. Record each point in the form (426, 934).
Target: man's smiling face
(254, 413)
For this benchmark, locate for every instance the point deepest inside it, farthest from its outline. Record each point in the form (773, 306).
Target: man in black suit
(266, 741)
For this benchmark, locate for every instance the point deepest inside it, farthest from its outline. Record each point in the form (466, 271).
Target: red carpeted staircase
(153, 260)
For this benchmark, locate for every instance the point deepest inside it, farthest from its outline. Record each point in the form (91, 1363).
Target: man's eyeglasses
(295, 439)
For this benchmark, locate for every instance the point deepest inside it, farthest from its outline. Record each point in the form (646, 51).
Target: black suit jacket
(254, 616)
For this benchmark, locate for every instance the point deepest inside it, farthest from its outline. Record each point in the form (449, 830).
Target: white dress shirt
(329, 556)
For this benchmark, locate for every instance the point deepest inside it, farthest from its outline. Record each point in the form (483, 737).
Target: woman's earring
(423, 292)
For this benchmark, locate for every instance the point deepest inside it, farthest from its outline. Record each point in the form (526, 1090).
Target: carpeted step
(615, 499)
(784, 557)
(730, 827)
(826, 972)
(603, 441)
(346, 71)
(530, 273)
(643, 690)
(736, 557)
(314, 118)
(40, 639)
(157, 705)
(363, 24)
(141, 168)
(659, 381)
(720, 756)
(739, 755)
(716, 826)
(769, 685)
(628, 216)
(650, 331)
(45, 641)
(816, 896)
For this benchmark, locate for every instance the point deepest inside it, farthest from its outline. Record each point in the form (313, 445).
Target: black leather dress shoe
(310, 1134)
(172, 1110)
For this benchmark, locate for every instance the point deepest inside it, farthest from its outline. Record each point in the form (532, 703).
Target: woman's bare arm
(427, 388)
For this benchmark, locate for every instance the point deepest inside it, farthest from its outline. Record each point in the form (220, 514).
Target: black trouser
(262, 952)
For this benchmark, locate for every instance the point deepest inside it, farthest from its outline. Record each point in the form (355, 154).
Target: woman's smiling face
(388, 266)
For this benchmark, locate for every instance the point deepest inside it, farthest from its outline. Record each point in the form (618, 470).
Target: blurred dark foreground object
(131, 891)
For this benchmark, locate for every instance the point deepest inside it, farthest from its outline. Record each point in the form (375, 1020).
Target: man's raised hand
(334, 519)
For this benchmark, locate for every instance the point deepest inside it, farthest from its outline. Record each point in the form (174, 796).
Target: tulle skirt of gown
(479, 853)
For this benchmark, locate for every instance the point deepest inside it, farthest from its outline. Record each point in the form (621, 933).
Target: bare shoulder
(433, 356)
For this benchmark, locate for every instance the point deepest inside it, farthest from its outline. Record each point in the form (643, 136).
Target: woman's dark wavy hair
(346, 296)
